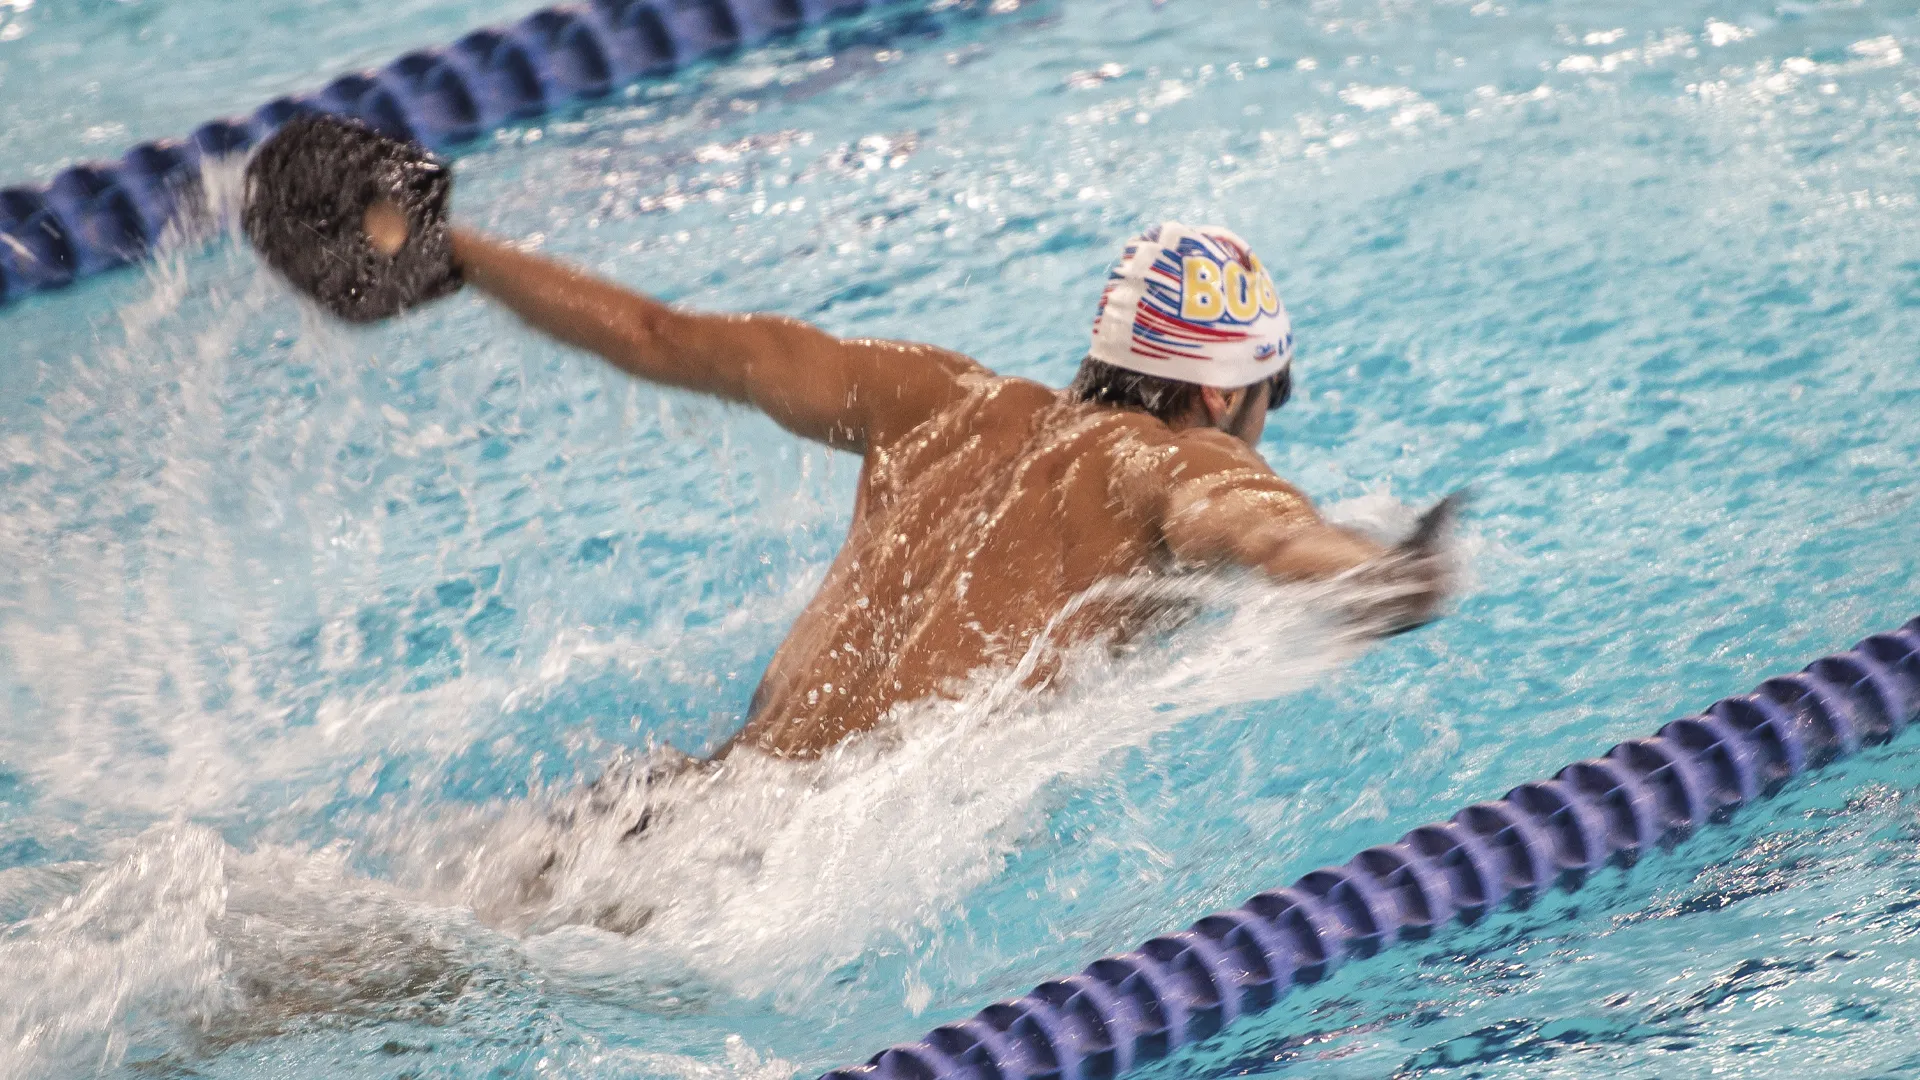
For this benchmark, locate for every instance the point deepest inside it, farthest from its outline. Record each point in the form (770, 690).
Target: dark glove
(1421, 565)
(1415, 576)
(308, 190)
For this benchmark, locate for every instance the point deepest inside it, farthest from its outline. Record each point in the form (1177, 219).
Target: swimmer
(985, 503)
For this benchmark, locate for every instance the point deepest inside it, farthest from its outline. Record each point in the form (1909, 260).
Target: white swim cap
(1194, 305)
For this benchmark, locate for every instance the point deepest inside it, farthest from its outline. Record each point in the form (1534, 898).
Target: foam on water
(769, 875)
(767, 880)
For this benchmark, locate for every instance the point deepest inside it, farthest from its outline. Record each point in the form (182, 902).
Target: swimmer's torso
(970, 533)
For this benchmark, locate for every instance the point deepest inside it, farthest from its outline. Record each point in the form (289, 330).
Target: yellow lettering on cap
(1200, 298)
(1243, 293)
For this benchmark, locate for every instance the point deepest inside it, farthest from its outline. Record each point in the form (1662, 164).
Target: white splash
(762, 876)
(133, 950)
(756, 880)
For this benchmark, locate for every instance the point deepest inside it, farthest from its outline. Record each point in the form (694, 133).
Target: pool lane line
(1184, 987)
(97, 216)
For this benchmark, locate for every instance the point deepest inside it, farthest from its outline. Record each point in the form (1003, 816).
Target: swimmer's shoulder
(916, 388)
(1151, 464)
(984, 394)
(1130, 434)
(1216, 448)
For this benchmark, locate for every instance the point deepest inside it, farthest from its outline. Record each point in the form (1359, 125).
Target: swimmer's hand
(353, 219)
(386, 227)
(1407, 586)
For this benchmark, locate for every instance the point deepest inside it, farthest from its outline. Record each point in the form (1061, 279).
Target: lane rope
(1183, 987)
(97, 216)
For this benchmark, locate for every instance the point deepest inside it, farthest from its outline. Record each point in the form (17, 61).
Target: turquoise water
(308, 629)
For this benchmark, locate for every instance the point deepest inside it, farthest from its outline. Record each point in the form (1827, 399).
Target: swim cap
(1194, 305)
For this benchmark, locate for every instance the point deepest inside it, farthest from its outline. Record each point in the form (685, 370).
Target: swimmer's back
(971, 531)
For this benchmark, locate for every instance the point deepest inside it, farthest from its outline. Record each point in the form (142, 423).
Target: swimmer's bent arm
(1218, 504)
(849, 394)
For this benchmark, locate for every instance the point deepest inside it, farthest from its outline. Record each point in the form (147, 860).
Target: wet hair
(1166, 400)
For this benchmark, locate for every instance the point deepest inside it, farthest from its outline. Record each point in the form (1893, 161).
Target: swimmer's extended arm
(847, 394)
(1219, 504)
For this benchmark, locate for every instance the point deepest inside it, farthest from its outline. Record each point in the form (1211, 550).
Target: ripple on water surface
(315, 630)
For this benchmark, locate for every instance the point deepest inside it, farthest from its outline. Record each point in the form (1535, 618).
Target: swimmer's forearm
(811, 383)
(574, 307)
(1254, 520)
(1399, 588)
(1395, 593)
(805, 379)
(1317, 552)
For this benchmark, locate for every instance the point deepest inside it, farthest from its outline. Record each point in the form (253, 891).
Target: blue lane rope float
(1184, 987)
(101, 215)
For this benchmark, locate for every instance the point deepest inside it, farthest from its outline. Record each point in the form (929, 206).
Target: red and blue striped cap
(1193, 304)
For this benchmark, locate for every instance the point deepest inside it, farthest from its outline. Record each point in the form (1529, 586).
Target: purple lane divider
(106, 214)
(1184, 987)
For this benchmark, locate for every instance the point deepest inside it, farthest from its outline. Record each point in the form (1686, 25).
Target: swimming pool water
(306, 629)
